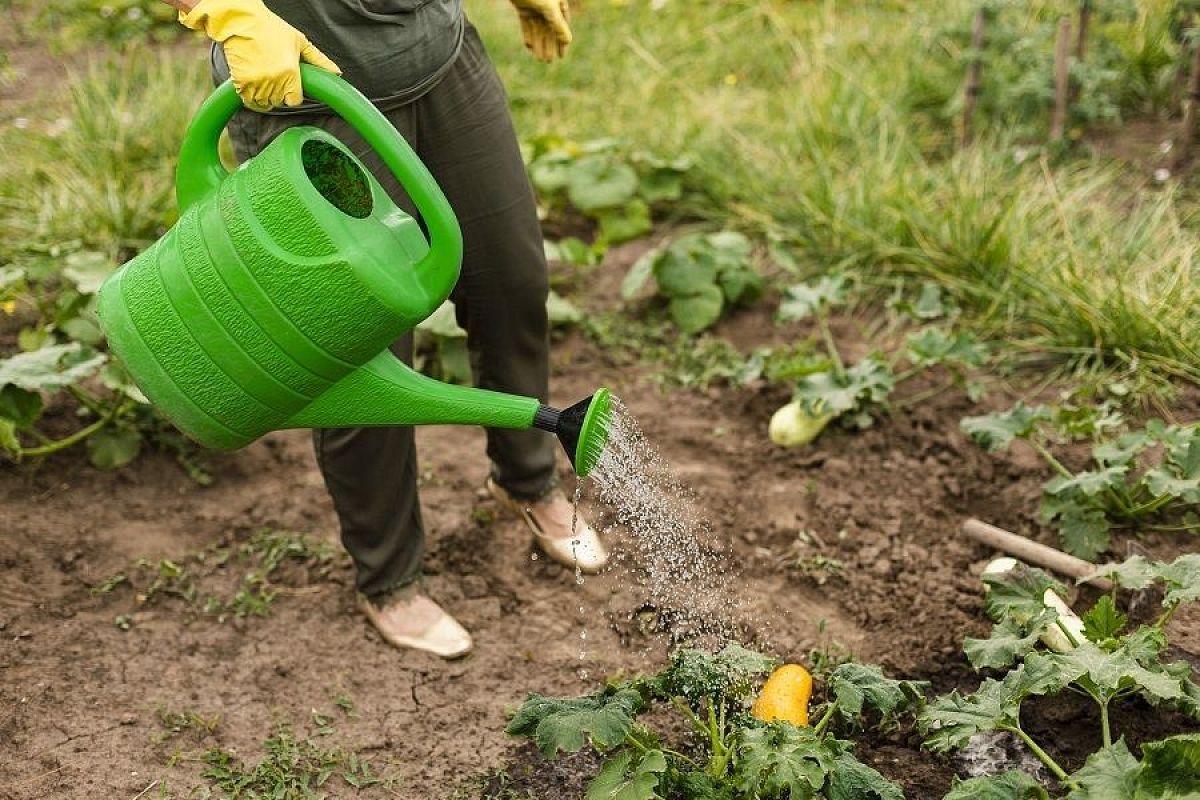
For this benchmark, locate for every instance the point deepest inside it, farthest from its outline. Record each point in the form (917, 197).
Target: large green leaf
(52, 368)
(1110, 773)
(950, 721)
(443, 322)
(639, 273)
(858, 686)
(88, 270)
(1007, 643)
(112, 448)
(620, 778)
(933, 345)
(598, 181)
(1163, 483)
(1181, 577)
(850, 779)
(1122, 450)
(1010, 785)
(1018, 595)
(781, 760)
(1108, 673)
(695, 312)
(9, 442)
(624, 223)
(568, 724)
(868, 381)
(730, 673)
(551, 172)
(1088, 483)
(1170, 769)
(20, 406)
(741, 284)
(802, 300)
(995, 432)
(679, 274)
(1085, 533)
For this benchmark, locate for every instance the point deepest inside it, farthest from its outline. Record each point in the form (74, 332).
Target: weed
(260, 559)
(346, 703)
(292, 768)
(188, 721)
(111, 582)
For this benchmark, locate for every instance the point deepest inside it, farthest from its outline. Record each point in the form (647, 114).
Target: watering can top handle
(200, 170)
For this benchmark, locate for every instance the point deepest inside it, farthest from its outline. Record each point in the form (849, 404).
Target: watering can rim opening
(380, 201)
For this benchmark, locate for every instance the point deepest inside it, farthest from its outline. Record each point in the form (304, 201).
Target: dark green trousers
(463, 132)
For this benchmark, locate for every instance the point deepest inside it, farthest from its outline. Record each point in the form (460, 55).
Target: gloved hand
(544, 27)
(263, 51)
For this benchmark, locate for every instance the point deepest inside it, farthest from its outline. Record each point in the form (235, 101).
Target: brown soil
(80, 699)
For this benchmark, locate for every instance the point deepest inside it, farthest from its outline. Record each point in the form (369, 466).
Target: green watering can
(272, 301)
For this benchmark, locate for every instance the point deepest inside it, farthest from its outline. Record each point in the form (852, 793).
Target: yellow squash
(785, 696)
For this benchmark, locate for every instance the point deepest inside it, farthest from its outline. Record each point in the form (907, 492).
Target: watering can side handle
(200, 170)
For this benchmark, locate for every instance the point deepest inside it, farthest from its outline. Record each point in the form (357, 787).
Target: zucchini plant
(734, 755)
(615, 191)
(834, 390)
(700, 275)
(1147, 479)
(60, 366)
(1110, 660)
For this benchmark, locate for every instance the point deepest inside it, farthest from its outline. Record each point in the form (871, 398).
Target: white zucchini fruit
(1053, 636)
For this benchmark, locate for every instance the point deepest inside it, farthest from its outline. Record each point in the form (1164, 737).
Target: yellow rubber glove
(263, 51)
(544, 27)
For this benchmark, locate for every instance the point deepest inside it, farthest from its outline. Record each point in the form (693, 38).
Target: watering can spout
(385, 391)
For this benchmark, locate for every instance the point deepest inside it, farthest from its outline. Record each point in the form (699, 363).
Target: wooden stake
(974, 75)
(1085, 16)
(1188, 125)
(1062, 56)
(1033, 552)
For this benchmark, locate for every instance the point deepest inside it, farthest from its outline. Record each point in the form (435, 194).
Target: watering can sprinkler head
(582, 429)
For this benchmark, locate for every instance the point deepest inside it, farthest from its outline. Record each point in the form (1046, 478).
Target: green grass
(97, 173)
(831, 125)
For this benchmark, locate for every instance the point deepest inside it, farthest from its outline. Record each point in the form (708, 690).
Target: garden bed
(851, 543)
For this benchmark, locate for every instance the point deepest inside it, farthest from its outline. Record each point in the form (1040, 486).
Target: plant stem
(825, 719)
(1049, 457)
(1173, 528)
(1165, 617)
(1042, 755)
(1105, 730)
(74, 438)
(1070, 636)
(838, 365)
(699, 726)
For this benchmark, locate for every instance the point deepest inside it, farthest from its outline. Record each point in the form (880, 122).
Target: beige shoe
(419, 623)
(550, 521)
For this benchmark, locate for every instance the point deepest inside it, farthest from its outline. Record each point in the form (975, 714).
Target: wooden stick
(1033, 552)
(1188, 125)
(1062, 82)
(1085, 16)
(974, 75)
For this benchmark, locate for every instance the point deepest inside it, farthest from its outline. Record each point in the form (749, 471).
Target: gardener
(424, 66)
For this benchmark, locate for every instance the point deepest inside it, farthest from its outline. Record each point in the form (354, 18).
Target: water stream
(681, 569)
